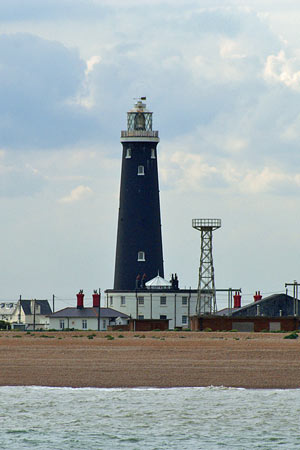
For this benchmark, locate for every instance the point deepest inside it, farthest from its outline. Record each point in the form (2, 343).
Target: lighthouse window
(141, 256)
(128, 153)
(152, 153)
(141, 170)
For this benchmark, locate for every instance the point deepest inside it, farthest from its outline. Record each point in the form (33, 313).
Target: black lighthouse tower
(139, 255)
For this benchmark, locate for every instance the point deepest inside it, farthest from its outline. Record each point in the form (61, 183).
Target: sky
(223, 81)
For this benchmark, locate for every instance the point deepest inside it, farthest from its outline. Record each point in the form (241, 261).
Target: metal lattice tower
(206, 298)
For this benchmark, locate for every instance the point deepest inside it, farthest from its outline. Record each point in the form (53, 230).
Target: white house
(6, 310)
(158, 299)
(91, 318)
(86, 319)
(32, 314)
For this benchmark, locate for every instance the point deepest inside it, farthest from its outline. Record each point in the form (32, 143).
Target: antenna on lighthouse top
(140, 104)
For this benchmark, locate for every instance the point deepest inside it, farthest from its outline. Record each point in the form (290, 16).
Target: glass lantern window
(139, 121)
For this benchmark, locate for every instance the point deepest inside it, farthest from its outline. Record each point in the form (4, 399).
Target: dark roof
(151, 291)
(89, 312)
(44, 305)
(226, 311)
(271, 306)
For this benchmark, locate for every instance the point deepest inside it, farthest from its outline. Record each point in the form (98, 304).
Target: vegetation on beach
(293, 335)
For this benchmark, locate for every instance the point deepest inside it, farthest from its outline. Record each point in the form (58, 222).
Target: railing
(206, 223)
(139, 133)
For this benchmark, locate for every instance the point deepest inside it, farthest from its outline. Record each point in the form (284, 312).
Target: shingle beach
(157, 359)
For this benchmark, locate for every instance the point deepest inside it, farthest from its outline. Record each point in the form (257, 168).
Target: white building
(157, 300)
(32, 314)
(86, 319)
(6, 310)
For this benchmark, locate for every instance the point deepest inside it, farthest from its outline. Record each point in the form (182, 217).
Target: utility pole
(99, 322)
(53, 309)
(19, 315)
(34, 314)
(295, 285)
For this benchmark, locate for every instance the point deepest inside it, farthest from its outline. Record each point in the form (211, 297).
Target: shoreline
(152, 359)
(146, 388)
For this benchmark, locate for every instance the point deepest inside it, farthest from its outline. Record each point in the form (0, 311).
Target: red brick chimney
(96, 300)
(80, 297)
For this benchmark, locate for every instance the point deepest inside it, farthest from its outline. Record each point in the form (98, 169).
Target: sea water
(180, 418)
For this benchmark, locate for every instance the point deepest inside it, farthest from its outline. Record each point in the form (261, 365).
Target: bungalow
(91, 318)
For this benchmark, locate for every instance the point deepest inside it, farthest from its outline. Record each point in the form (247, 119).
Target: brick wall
(148, 325)
(217, 323)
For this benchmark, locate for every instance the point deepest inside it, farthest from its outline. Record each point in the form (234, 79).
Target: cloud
(196, 74)
(224, 91)
(190, 173)
(193, 73)
(38, 78)
(77, 194)
(91, 63)
(283, 70)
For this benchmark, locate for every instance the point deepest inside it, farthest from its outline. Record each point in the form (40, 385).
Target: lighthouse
(140, 289)
(139, 254)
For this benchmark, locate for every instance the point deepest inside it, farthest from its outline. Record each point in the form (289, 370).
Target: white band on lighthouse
(140, 139)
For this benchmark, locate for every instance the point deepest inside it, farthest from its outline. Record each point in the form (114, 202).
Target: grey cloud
(191, 86)
(37, 80)
(163, 65)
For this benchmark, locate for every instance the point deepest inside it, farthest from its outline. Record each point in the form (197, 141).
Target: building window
(141, 300)
(128, 153)
(163, 301)
(141, 317)
(153, 153)
(111, 301)
(163, 317)
(104, 324)
(141, 170)
(141, 256)
(184, 320)
(84, 324)
(123, 300)
(62, 324)
(184, 301)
